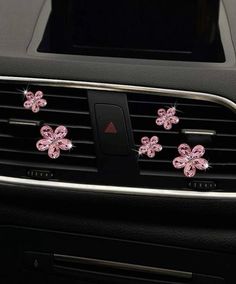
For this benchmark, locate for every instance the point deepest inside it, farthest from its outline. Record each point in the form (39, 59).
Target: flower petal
(160, 121)
(174, 119)
(201, 164)
(28, 104)
(184, 150)
(29, 95)
(189, 170)
(180, 162)
(60, 132)
(154, 140)
(35, 107)
(161, 112)
(198, 151)
(157, 148)
(47, 132)
(54, 151)
(145, 140)
(43, 144)
(42, 103)
(168, 124)
(151, 153)
(171, 111)
(38, 95)
(64, 144)
(143, 150)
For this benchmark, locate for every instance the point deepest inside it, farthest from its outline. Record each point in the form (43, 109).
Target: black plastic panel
(185, 30)
(23, 244)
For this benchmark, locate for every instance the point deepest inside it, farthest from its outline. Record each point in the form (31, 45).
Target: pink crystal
(34, 101)
(190, 160)
(54, 141)
(167, 118)
(150, 146)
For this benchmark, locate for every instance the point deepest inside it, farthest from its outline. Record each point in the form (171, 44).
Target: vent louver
(194, 115)
(18, 153)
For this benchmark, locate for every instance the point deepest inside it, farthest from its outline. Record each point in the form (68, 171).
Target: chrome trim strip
(198, 132)
(24, 122)
(124, 88)
(115, 189)
(119, 266)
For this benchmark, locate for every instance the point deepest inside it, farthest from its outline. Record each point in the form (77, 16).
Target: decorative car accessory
(149, 146)
(190, 160)
(54, 141)
(167, 118)
(34, 101)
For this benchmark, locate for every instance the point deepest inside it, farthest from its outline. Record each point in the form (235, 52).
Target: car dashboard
(117, 141)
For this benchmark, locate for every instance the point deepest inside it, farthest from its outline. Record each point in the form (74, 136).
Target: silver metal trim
(23, 122)
(115, 189)
(198, 132)
(31, 184)
(154, 271)
(124, 88)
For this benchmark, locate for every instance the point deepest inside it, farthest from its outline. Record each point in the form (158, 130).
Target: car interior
(117, 141)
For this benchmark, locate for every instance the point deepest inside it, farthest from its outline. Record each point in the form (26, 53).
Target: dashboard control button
(112, 130)
(37, 261)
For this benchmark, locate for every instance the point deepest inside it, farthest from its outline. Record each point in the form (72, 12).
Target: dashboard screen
(155, 29)
(135, 24)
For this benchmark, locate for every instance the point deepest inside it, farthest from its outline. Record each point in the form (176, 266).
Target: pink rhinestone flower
(167, 118)
(150, 146)
(54, 141)
(190, 160)
(34, 101)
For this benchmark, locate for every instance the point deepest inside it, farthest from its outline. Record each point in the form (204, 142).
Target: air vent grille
(68, 107)
(194, 115)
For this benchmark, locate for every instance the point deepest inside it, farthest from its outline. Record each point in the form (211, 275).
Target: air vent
(19, 132)
(217, 124)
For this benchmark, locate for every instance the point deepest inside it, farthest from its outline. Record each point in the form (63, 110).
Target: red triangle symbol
(111, 129)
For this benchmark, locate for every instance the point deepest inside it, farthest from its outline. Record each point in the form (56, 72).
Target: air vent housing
(20, 130)
(196, 116)
(201, 122)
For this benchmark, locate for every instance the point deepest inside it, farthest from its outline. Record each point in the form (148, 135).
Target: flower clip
(150, 146)
(167, 118)
(54, 141)
(190, 160)
(34, 101)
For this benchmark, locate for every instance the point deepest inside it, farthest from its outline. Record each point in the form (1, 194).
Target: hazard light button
(112, 130)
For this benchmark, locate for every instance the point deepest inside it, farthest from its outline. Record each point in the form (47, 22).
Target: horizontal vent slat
(61, 118)
(63, 160)
(68, 155)
(212, 164)
(167, 167)
(166, 98)
(49, 166)
(206, 148)
(221, 127)
(153, 118)
(182, 111)
(217, 143)
(43, 110)
(162, 104)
